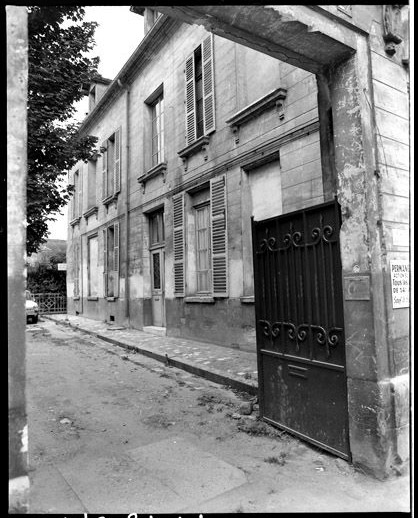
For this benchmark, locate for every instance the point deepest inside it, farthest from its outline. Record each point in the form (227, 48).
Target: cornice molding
(147, 48)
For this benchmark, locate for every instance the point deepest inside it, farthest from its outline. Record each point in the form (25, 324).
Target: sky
(118, 34)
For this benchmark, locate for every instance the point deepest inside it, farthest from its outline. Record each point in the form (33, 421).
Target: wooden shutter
(71, 202)
(178, 245)
(76, 271)
(190, 101)
(208, 85)
(104, 171)
(219, 238)
(117, 168)
(80, 192)
(116, 260)
(105, 273)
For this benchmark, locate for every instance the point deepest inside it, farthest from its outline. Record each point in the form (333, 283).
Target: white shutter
(208, 85)
(105, 273)
(76, 271)
(178, 244)
(190, 101)
(80, 192)
(116, 260)
(117, 168)
(104, 170)
(71, 202)
(219, 238)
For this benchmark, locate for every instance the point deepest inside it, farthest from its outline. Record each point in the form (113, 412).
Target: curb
(212, 375)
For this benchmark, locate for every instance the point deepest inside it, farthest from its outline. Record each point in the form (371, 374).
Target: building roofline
(139, 57)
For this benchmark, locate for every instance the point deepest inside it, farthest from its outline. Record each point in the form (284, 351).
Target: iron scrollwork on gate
(298, 334)
(295, 238)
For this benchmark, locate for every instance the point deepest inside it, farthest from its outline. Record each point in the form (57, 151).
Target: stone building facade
(180, 265)
(224, 113)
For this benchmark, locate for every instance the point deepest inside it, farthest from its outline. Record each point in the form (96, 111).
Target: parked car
(32, 308)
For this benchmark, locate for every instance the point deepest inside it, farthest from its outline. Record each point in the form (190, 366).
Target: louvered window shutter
(190, 101)
(116, 260)
(71, 205)
(104, 171)
(117, 168)
(80, 192)
(105, 262)
(219, 236)
(178, 238)
(208, 85)
(75, 271)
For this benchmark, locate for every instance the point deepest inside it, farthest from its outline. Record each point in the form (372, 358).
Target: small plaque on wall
(357, 287)
(399, 276)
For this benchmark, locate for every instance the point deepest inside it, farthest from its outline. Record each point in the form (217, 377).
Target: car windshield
(29, 295)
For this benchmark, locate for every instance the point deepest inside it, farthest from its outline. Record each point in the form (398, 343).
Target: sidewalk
(232, 367)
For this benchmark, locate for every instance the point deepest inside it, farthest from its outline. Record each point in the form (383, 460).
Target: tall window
(157, 131)
(110, 180)
(76, 209)
(199, 90)
(91, 188)
(202, 249)
(200, 98)
(111, 260)
(111, 165)
(92, 250)
(76, 269)
(200, 240)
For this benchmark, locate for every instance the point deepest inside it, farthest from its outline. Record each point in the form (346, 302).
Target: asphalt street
(112, 431)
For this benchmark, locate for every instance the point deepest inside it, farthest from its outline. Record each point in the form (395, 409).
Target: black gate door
(300, 330)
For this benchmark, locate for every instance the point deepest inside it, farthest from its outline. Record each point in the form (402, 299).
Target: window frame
(89, 268)
(198, 208)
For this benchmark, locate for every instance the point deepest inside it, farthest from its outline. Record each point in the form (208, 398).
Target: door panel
(300, 328)
(157, 279)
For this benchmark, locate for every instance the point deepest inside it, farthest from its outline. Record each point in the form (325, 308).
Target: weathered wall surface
(228, 322)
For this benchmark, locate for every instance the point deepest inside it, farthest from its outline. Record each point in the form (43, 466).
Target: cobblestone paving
(231, 363)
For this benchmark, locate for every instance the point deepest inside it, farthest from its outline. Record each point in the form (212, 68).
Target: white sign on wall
(62, 266)
(399, 275)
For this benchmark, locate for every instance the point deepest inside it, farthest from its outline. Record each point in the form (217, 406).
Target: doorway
(157, 265)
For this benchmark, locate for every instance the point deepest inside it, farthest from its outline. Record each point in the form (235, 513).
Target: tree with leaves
(59, 41)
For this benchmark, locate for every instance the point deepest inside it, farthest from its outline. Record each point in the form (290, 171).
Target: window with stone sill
(199, 92)
(111, 260)
(200, 222)
(111, 166)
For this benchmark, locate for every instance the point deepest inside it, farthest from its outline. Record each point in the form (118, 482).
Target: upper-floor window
(91, 184)
(77, 193)
(200, 97)
(111, 165)
(157, 130)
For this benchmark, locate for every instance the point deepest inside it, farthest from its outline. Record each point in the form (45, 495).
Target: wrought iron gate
(51, 303)
(300, 328)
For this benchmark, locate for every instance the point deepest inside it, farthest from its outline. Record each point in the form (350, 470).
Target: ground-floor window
(201, 241)
(202, 249)
(92, 272)
(111, 260)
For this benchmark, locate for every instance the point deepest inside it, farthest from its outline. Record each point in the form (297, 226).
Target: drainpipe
(127, 136)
